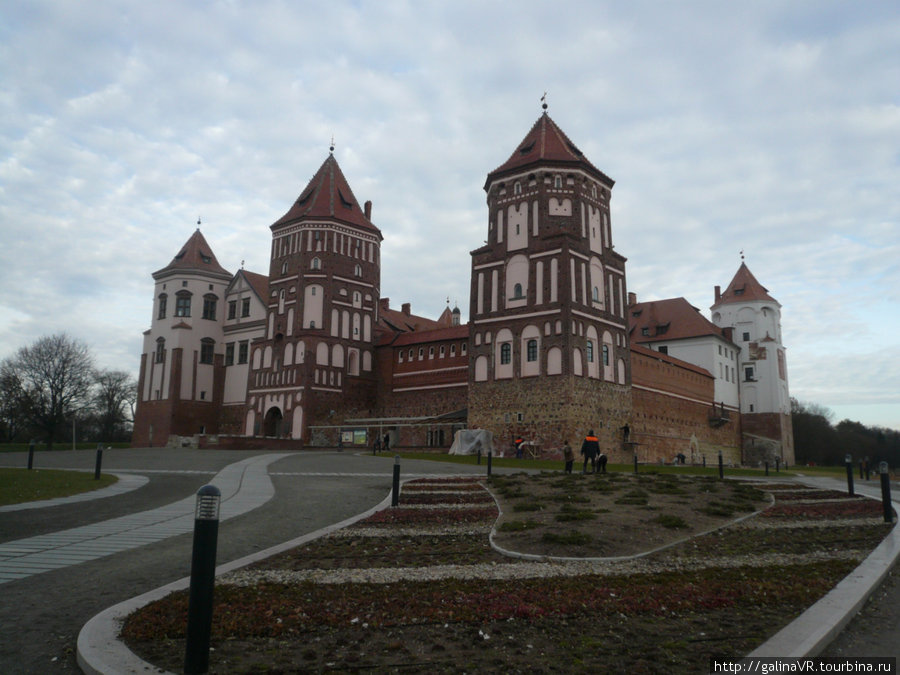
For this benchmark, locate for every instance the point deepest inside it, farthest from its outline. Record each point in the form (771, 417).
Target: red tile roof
(259, 283)
(546, 143)
(743, 288)
(328, 195)
(434, 335)
(195, 255)
(671, 319)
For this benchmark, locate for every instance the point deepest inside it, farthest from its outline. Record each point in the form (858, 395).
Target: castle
(312, 355)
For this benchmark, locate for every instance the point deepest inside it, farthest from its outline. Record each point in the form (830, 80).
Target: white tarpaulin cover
(468, 441)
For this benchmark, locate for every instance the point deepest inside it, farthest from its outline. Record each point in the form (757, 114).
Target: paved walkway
(245, 485)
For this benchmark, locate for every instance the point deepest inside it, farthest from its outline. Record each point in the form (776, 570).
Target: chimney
(367, 208)
(632, 298)
(718, 293)
(405, 308)
(384, 304)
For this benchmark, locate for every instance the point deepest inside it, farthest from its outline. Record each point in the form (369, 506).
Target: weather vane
(198, 222)
(544, 101)
(742, 255)
(331, 149)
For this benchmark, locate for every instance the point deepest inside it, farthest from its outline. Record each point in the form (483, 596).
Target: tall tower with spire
(547, 301)
(315, 361)
(754, 318)
(181, 372)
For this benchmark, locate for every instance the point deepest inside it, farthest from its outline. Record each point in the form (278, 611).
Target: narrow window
(232, 309)
(532, 350)
(505, 353)
(162, 306)
(589, 351)
(605, 355)
(316, 263)
(557, 181)
(209, 307)
(229, 354)
(160, 350)
(207, 347)
(517, 292)
(245, 307)
(243, 350)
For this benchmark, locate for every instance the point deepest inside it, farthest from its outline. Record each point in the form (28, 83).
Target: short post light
(395, 487)
(98, 463)
(886, 492)
(31, 455)
(203, 574)
(490, 461)
(848, 462)
(721, 466)
(635, 463)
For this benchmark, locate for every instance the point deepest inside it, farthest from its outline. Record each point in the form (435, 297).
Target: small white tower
(754, 317)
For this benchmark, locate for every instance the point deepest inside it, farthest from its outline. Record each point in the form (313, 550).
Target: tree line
(51, 391)
(817, 441)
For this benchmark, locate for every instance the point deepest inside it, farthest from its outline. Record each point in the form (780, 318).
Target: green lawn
(22, 485)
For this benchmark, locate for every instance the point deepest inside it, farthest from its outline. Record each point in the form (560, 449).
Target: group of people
(380, 444)
(590, 450)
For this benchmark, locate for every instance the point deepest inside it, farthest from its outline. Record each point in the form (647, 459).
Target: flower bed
(722, 593)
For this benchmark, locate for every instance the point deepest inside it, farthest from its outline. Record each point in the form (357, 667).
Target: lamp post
(886, 492)
(848, 462)
(203, 574)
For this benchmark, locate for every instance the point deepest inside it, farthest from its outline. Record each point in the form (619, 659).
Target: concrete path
(245, 485)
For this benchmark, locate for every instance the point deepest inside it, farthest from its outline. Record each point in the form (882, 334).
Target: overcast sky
(771, 128)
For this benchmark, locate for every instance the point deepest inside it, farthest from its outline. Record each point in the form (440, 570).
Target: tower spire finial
(544, 101)
(331, 148)
(198, 222)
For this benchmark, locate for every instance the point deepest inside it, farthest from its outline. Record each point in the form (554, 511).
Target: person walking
(568, 456)
(590, 448)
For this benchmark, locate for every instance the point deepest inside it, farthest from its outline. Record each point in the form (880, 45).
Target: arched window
(605, 355)
(589, 351)
(532, 350)
(595, 294)
(517, 188)
(517, 292)
(316, 263)
(505, 353)
(557, 181)
(357, 271)
(160, 350)
(163, 299)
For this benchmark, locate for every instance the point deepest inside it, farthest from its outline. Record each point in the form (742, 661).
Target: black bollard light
(479, 454)
(848, 462)
(868, 469)
(777, 464)
(490, 460)
(203, 574)
(635, 463)
(98, 462)
(767, 468)
(30, 455)
(395, 488)
(721, 466)
(886, 492)
(704, 461)
(862, 470)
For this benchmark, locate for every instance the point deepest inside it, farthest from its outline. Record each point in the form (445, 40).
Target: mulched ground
(670, 621)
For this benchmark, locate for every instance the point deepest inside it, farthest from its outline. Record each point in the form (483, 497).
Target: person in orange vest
(590, 448)
(518, 445)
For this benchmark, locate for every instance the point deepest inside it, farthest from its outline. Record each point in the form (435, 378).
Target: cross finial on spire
(544, 101)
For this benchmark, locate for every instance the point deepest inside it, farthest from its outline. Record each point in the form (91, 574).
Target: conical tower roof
(195, 256)
(546, 144)
(743, 288)
(328, 196)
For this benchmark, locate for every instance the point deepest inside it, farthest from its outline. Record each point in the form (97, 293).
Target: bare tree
(15, 403)
(114, 397)
(57, 372)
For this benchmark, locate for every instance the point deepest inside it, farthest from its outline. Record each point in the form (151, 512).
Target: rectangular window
(209, 308)
(589, 350)
(531, 352)
(746, 337)
(663, 349)
(243, 349)
(232, 309)
(160, 351)
(162, 307)
(229, 354)
(505, 353)
(183, 305)
(748, 374)
(207, 349)
(245, 307)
